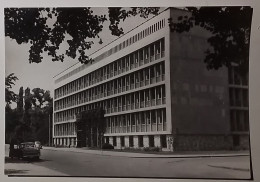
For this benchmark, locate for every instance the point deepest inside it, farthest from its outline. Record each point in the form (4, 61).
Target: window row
(140, 78)
(146, 121)
(123, 142)
(138, 58)
(65, 129)
(136, 100)
(238, 97)
(122, 45)
(235, 78)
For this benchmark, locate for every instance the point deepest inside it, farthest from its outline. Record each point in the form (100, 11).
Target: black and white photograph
(128, 92)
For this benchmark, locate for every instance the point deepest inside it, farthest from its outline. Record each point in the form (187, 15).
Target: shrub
(107, 146)
(152, 149)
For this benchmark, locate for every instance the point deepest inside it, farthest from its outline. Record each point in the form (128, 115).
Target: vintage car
(25, 150)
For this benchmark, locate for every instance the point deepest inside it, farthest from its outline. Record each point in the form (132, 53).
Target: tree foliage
(20, 101)
(230, 29)
(40, 96)
(30, 120)
(82, 25)
(10, 96)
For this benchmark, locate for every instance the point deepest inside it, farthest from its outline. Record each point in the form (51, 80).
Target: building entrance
(90, 127)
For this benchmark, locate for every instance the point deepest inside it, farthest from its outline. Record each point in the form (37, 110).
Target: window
(131, 141)
(133, 120)
(114, 140)
(142, 117)
(148, 119)
(236, 140)
(151, 141)
(153, 117)
(140, 141)
(107, 139)
(122, 141)
(159, 116)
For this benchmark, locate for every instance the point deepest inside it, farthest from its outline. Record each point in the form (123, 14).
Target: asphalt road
(91, 165)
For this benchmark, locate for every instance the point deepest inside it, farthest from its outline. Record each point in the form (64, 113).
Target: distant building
(156, 92)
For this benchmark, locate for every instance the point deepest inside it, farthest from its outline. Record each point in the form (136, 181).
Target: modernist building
(155, 90)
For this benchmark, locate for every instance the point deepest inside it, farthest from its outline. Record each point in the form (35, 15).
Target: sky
(40, 75)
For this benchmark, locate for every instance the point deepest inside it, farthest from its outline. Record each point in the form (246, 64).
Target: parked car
(38, 145)
(25, 150)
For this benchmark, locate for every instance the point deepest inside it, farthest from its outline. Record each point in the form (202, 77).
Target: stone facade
(146, 141)
(157, 141)
(136, 144)
(126, 141)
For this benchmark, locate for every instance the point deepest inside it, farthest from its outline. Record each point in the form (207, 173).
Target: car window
(30, 145)
(21, 146)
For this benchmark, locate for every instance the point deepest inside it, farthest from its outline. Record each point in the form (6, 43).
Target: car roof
(32, 143)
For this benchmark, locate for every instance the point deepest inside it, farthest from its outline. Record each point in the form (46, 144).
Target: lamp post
(49, 129)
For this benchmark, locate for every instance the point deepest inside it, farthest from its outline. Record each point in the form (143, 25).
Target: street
(68, 163)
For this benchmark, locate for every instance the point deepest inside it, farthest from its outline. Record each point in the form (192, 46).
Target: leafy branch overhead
(33, 25)
(47, 28)
(230, 29)
(10, 96)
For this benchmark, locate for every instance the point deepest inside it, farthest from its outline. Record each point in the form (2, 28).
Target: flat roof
(115, 40)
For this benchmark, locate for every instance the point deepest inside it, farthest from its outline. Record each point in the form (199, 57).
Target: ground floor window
(236, 140)
(131, 141)
(122, 140)
(107, 139)
(151, 141)
(114, 140)
(163, 141)
(140, 141)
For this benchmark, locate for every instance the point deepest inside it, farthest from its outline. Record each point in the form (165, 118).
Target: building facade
(155, 91)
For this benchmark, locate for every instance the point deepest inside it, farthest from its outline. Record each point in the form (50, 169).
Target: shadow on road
(14, 171)
(16, 160)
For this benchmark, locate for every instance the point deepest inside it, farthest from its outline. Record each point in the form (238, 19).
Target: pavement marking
(231, 168)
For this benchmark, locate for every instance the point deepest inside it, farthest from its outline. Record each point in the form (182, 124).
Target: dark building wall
(203, 142)
(200, 102)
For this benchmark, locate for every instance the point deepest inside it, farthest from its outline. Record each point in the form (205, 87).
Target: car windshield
(26, 145)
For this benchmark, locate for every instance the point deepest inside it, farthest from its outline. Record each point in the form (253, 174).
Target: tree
(31, 25)
(10, 96)
(12, 119)
(230, 29)
(40, 96)
(27, 108)
(20, 101)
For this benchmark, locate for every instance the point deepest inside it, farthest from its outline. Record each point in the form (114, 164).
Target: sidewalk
(17, 167)
(148, 155)
(29, 169)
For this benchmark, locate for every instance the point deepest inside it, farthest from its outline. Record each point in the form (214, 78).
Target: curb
(232, 168)
(155, 155)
